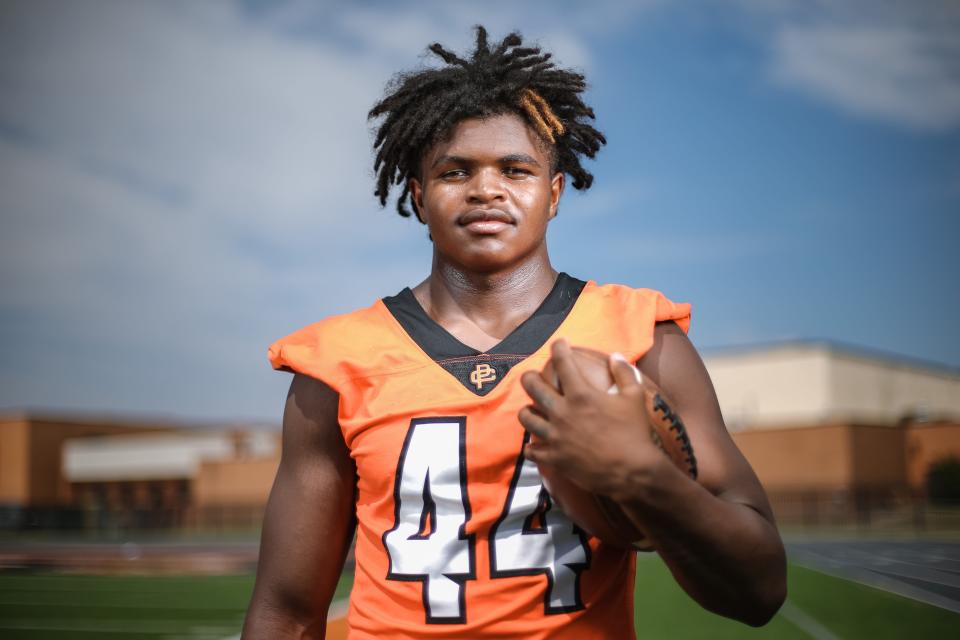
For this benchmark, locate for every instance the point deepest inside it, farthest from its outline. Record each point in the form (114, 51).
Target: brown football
(596, 514)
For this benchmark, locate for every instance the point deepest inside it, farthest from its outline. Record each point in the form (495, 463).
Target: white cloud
(894, 74)
(113, 299)
(404, 30)
(176, 192)
(183, 183)
(894, 62)
(231, 119)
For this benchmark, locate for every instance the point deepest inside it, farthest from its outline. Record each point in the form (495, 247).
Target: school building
(835, 434)
(65, 472)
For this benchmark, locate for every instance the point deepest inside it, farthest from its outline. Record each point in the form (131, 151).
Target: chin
(486, 261)
(485, 254)
(477, 255)
(487, 264)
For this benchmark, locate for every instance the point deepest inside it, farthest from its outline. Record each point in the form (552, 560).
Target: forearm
(271, 619)
(296, 580)
(726, 555)
(291, 605)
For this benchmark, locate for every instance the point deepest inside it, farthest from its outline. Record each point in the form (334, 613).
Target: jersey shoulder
(641, 303)
(617, 318)
(345, 347)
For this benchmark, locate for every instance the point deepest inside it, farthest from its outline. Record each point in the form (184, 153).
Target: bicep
(309, 520)
(675, 366)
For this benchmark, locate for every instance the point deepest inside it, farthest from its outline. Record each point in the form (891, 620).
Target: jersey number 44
(429, 544)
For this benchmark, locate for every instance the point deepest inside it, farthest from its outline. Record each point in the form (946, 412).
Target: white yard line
(865, 576)
(805, 622)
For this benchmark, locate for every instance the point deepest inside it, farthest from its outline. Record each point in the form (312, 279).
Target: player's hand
(601, 441)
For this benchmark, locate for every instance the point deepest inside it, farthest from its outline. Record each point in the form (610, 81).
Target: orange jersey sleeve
(456, 536)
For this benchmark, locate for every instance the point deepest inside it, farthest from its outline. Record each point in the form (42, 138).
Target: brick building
(69, 473)
(834, 433)
(837, 432)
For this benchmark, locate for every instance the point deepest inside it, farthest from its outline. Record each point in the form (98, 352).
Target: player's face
(487, 194)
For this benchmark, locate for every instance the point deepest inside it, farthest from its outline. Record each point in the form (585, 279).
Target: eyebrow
(519, 157)
(507, 159)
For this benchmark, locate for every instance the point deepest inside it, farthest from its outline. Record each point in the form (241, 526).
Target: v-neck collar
(481, 371)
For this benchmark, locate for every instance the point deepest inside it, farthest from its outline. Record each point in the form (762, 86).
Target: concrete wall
(809, 384)
(786, 385)
(154, 456)
(872, 391)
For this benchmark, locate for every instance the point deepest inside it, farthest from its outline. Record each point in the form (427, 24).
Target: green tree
(943, 481)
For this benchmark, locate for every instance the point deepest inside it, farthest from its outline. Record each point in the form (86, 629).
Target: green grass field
(38, 607)
(842, 608)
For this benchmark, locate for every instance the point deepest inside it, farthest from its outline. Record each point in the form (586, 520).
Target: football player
(409, 422)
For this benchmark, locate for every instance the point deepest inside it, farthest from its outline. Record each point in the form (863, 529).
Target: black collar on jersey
(480, 371)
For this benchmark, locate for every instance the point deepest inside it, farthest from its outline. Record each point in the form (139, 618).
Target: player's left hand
(600, 440)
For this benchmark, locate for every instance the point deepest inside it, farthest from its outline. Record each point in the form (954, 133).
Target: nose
(485, 186)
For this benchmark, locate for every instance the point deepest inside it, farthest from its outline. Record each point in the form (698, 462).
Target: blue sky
(182, 183)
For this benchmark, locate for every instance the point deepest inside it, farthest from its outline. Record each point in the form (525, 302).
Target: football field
(820, 606)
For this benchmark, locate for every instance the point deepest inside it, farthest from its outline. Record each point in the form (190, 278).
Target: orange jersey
(456, 536)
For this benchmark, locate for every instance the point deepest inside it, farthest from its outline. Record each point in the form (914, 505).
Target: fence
(864, 510)
(214, 518)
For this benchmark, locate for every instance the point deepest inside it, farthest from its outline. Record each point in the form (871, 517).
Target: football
(599, 515)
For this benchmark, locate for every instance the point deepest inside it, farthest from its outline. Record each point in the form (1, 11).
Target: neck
(493, 302)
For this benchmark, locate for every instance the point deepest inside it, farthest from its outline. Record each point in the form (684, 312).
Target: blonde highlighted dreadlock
(541, 114)
(422, 108)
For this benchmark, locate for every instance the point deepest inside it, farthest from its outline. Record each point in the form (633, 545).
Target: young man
(409, 421)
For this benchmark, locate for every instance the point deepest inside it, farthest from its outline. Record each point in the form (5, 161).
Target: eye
(453, 174)
(516, 171)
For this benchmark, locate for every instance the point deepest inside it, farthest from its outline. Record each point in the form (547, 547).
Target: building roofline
(837, 347)
(145, 421)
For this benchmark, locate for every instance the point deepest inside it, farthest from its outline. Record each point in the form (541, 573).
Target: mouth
(486, 221)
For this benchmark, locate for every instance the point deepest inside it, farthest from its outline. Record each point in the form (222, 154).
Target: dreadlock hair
(422, 108)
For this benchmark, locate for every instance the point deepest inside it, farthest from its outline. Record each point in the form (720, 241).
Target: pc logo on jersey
(482, 373)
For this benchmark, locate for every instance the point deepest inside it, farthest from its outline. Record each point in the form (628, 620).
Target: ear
(556, 190)
(416, 198)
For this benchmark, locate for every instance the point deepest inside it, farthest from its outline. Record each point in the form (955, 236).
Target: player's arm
(718, 534)
(309, 521)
